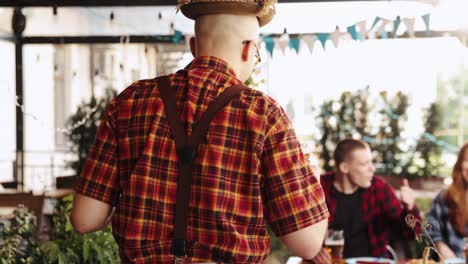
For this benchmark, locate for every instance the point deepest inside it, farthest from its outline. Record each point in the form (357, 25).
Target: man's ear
(193, 46)
(343, 167)
(246, 50)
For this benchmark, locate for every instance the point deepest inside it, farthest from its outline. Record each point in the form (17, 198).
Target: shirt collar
(211, 63)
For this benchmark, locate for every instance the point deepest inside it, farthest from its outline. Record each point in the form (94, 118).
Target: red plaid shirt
(250, 171)
(382, 212)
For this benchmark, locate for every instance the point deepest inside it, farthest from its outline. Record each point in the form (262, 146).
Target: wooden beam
(109, 3)
(101, 39)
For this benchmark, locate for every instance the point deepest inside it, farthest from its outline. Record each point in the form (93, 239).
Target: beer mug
(334, 244)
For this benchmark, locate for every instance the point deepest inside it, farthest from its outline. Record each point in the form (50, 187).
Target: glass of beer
(465, 249)
(334, 244)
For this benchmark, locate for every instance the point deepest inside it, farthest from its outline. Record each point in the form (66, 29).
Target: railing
(41, 169)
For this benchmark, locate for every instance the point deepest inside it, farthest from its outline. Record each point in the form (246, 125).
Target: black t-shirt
(349, 217)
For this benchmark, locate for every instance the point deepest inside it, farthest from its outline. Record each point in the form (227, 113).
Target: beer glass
(334, 244)
(465, 249)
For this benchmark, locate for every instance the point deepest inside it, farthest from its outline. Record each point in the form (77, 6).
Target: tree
(84, 124)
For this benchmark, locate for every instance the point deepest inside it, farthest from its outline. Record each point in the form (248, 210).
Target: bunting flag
(396, 24)
(409, 23)
(283, 42)
(362, 29)
(294, 44)
(323, 37)
(177, 37)
(381, 30)
(376, 20)
(335, 37)
(361, 33)
(269, 44)
(427, 20)
(309, 40)
(352, 31)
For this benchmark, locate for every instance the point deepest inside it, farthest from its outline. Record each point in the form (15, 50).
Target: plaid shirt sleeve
(293, 197)
(99, 177)
(396, 214)
(435, 218)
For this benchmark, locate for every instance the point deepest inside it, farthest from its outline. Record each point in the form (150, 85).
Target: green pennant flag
(376, 20)
(269, 44)
(323, 37)
(427, 20)
(294, 44)
(352, 31)
(177, 37)
(396, 24)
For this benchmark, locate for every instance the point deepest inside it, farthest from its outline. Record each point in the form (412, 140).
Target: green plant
(67, 246)
(17, 240)
(85, 123)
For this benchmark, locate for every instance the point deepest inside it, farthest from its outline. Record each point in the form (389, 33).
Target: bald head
(226, 27)
(221, 35)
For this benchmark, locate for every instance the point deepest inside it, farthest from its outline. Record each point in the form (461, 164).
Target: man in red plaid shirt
(249, 173)
(363, 205)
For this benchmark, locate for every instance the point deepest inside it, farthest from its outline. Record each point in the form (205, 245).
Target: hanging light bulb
(171, 30)
(55, 15)
(112, 20)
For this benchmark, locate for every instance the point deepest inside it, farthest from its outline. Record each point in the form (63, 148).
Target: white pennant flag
(382, 26)
(309, 40)
(363, 29)
(409, 23)
(282, 42)
(335, 37)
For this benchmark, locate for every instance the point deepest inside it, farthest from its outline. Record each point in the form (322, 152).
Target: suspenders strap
(186, 153)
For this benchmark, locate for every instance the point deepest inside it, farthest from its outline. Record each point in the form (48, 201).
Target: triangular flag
(177, 37)
(427, 20)
(362, 30)
(309, 41)
(409, 23)
(383, 34)
(283, 42)
(269, 44)
(335, 37)
(323, 37)
(352, 30)
(294, 44)
(381, 30)
(376, 20)
(396, 24)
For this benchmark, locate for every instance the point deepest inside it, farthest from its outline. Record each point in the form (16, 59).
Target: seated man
(363, 205)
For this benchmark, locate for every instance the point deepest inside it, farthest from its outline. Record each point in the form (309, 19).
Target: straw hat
(263, 9)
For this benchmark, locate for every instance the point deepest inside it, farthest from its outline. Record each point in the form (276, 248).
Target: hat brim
(194, 10)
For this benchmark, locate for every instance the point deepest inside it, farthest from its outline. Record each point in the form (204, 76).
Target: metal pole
(18, 25)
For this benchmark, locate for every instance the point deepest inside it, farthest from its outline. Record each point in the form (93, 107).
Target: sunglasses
(257, 52)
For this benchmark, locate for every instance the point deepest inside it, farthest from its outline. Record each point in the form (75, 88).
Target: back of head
(345, 147)
(224, 32)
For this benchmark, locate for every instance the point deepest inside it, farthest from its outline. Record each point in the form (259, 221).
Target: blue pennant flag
(294, 44)
(427, 21)
(352, 31)
(323, 37)
(376, 20)
(396, 24)
(269, 44)
(384, 34)
(177, 37)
